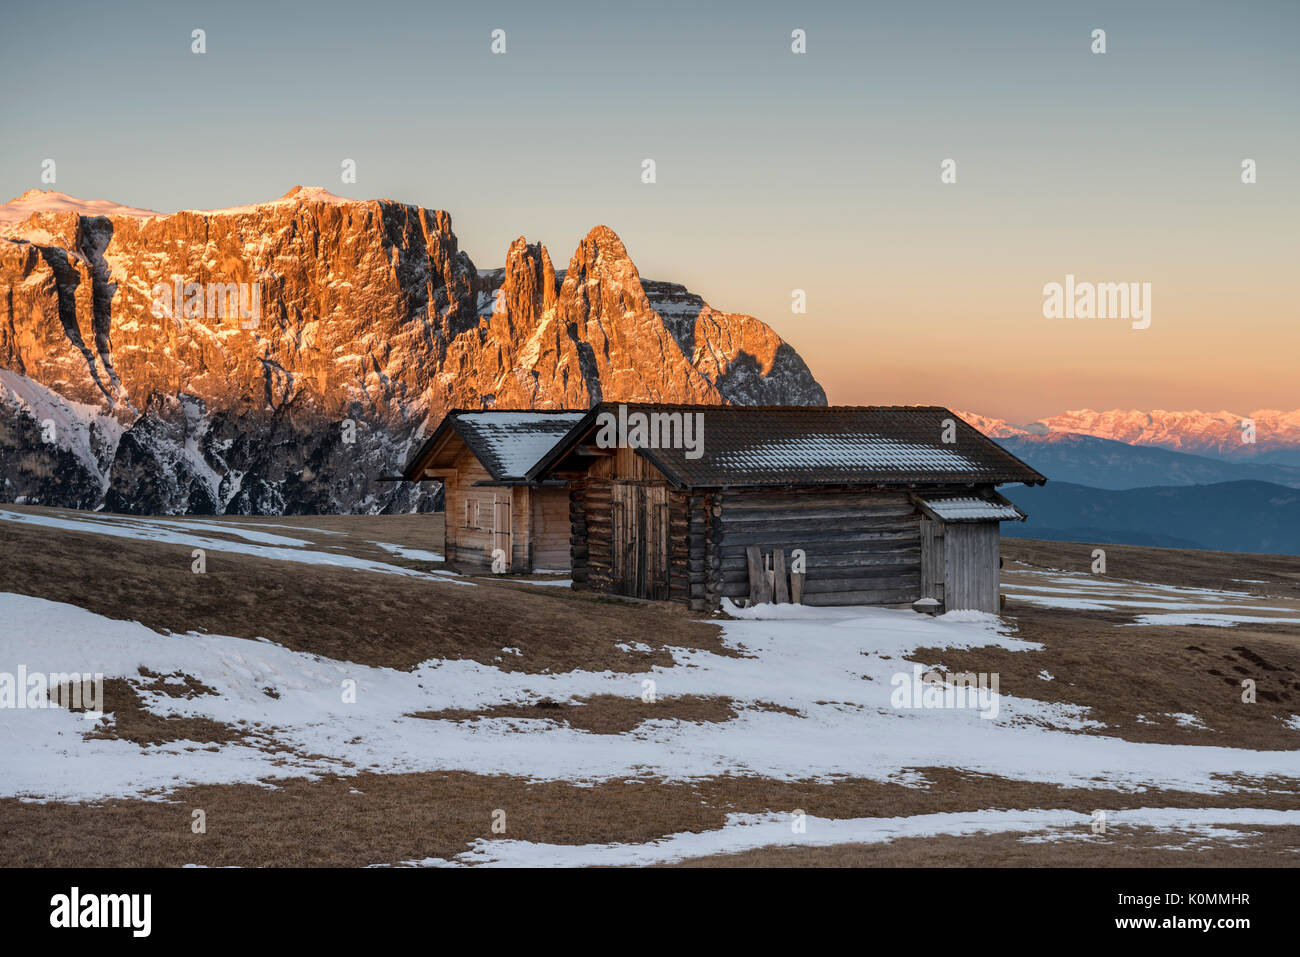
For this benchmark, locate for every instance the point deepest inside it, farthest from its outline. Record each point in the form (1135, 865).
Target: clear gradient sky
(775, 171)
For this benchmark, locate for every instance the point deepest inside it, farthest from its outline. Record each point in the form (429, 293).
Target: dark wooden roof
(816, 445)
(507, 441)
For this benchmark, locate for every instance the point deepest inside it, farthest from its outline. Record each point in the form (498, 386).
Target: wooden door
(971, 566)
(933, 559)
(639, 540)
(501, 537)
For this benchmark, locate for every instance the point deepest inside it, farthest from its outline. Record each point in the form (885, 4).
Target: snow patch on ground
(834, 668)
(415, 554)
(745, 832)
(181, 533)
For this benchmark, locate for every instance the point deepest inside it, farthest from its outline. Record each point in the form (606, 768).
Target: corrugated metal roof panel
(972, 509)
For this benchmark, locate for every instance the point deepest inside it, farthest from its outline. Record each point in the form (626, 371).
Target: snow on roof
(840, 451)
(809, 445)
(972, 509)
(510, 443)
(33, 201)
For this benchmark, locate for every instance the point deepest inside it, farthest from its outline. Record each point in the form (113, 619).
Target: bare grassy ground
(1231, 571)
(1129, 847)
(1127, 677)
(133, 722)
(391, 818)
(1136, 678)
(602, 714)
(367, 617)
(612, 714)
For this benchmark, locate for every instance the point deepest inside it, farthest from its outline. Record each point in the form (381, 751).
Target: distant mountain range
(1226, 516)
(1109, 464)
(372, 323)
(1171, 479)
(1225, 435)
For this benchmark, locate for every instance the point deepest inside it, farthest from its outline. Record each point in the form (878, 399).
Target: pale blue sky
(775, 171)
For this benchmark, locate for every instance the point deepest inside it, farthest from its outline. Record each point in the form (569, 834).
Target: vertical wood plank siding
(971, 577)
(550, 527)
(469, 547)
(933, 570)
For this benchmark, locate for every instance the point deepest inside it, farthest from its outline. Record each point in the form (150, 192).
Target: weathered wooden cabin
(491, 509)
(823, 505)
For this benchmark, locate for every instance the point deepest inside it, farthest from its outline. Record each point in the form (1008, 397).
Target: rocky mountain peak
(315, 194)
(356, 318)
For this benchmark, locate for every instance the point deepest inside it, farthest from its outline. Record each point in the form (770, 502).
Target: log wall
(860, 547)
(633, 538)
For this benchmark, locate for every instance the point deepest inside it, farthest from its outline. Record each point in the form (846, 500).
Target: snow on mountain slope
(84, 430)
(37, 201)
(1223, 434)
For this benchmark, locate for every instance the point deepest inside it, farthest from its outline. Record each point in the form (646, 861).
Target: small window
(466, 525)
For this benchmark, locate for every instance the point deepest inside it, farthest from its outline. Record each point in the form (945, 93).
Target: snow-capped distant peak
(313, 194)
(33, 201)
(299, 194)
(1195, 431)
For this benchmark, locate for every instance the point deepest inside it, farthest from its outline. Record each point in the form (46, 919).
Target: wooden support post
(782, 595)
(796, 587)
(759, 593)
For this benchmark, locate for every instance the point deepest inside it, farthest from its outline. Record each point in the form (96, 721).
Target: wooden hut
(823, 505)
(496, 518)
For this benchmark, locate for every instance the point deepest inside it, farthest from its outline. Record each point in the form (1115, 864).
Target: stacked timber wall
(633, 538)
(860, 547)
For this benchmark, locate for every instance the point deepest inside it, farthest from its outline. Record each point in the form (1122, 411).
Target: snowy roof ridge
(813, 445)
(508, 442)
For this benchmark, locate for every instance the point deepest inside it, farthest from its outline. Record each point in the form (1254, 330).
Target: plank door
(639, 540)
(971, 566)
(934, 570)
(654, 553)
(501, 528)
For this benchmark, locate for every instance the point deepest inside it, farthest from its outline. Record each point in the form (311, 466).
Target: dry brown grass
(611, 714)
(1152, 671)
(390, 818)
(1167, 566)
(131, 721)
(371, 618)
(1133, 678)
(380, 619)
